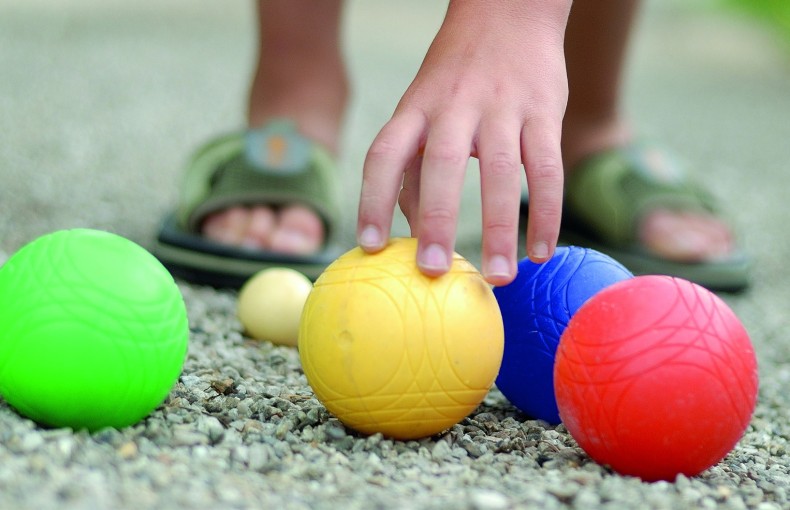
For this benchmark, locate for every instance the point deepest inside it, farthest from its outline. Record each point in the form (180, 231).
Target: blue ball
(536, 308)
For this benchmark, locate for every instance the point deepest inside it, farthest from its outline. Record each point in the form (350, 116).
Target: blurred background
(775, 14)
(101, 102)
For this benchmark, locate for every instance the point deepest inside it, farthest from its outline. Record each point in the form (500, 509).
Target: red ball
(656, 376)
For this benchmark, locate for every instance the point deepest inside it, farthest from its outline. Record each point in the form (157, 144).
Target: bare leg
(301, 76)
(300, 71)
(595, 46)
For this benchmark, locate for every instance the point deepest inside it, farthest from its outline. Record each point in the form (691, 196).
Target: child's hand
(492, 85)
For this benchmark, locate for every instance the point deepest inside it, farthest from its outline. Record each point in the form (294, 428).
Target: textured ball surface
(93, 330)
(656, 376)
(390, 350)
(270, 305)
(536, 308)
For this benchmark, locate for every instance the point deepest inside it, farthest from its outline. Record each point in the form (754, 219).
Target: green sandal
(273, 165)
(607, 193)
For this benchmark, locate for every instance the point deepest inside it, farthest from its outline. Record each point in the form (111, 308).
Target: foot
(300, 76)
(679, 236)
(686, 236)
(293, 229)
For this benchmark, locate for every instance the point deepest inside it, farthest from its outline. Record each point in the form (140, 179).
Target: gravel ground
(241, 429)
(100, 101)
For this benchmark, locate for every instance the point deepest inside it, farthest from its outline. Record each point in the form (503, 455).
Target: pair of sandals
(275, 165)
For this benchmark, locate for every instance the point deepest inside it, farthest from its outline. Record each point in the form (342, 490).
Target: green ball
(93, 331)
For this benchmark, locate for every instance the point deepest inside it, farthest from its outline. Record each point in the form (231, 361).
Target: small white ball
(270, 305)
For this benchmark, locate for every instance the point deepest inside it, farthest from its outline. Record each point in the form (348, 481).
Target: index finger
(392, 150)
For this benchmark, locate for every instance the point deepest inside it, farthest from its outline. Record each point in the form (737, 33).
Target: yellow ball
(270, 305)
(388, 349)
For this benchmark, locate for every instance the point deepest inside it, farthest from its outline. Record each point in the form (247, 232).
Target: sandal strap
(273, 165)
(610, 191)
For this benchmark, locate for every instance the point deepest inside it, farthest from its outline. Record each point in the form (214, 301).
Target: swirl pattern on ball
(93, 330)
(389, 350)
(656, 376)
(536, 308)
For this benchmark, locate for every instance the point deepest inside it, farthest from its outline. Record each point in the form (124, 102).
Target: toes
(263, 221)
(717, 237)
(295, 229)
(298, 231)
(228, 226)
(686, 236)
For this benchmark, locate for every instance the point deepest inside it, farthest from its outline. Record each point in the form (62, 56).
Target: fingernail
(497, 266)
(540, 251)
(433, 258)
(370, 238)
